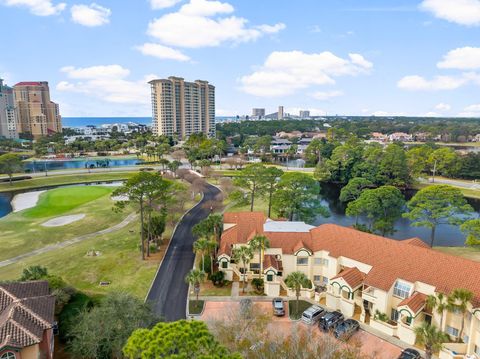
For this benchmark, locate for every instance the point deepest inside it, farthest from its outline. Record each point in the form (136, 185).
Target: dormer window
(401, 290)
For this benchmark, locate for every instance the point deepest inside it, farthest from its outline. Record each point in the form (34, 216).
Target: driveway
(370, 344)
(168, 294)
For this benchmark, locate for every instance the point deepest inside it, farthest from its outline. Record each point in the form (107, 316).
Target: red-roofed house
(26, 320)
(363, 274)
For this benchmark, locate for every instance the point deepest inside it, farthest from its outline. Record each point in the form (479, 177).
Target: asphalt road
(168, 294)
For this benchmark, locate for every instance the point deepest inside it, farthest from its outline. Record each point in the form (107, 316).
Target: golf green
(61, 200)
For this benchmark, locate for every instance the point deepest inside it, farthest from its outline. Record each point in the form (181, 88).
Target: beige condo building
(37, 114)
(182, 108)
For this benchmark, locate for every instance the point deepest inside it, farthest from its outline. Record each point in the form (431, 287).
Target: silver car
(278, 307)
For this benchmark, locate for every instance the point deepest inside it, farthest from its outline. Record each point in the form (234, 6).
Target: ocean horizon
(97, 121)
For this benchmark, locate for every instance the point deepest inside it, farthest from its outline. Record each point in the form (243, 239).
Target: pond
(39, 166)
(446, 235)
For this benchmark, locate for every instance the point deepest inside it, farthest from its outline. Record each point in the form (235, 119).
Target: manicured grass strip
(292, 308)
(54, 180)
(61, 200)
(472, 253)
(195, 307)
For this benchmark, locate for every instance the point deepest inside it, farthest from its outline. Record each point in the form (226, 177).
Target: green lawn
(195, 307)
(22, 232)
(54, 180)
(292, 308)
(119, 261)
(61, 200)
(465, 252)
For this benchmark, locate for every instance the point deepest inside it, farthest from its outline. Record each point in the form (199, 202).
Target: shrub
(258, 284)
(380, 316)
(218, 278)
(34, 273)
(208, 265)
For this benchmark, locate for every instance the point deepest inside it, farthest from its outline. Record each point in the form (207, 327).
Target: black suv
(346, 329)
(330, 320)
(410, 354)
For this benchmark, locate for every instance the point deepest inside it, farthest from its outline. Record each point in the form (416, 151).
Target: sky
(345, 57)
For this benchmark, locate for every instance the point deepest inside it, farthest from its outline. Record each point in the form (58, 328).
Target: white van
(312, 314)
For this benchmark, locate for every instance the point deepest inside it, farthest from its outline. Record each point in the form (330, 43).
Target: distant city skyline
(406, 57)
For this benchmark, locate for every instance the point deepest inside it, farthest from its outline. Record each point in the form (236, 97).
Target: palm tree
(243, 254)
(194, 278)
(430, 337)
(295, 281)
(438, 303)
(458, 301)
(202, 246)
(260, 243)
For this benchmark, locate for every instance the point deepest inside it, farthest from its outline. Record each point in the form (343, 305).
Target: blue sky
(353, 57)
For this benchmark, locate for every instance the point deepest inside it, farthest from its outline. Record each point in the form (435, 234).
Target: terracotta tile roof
(415, 242)
(270, 260)
(26, 311)
(352, 276)
(415, 302)
(390, 259)
(26, 83)
(299, 246)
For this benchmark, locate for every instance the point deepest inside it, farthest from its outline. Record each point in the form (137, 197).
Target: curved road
(168, 293)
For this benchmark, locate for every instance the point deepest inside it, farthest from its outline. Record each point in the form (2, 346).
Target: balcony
(367, 295)
(453, 351)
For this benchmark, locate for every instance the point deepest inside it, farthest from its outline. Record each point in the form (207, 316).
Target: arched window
(8, 355)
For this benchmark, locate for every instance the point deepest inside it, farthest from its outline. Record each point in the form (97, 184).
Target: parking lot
(370, 344)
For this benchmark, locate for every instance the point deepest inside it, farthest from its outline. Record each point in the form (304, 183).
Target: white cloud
(464, 58)
(108, 83)
(387, 114)
(162, 52)
(95, 72)
(193, 26)
(463, 12)
(443, 107)
(285, 72)
(419, 83)
(163, 4)
(90, 15)
(470, 111)
(38, 7)
(326, 95)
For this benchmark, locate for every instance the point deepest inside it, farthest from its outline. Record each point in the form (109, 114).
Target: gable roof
(352, 276)
(26, 311)
(390, 259)
(415, 302)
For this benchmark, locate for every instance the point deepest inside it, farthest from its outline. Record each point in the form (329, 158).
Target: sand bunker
(64, 220)
(27, 200)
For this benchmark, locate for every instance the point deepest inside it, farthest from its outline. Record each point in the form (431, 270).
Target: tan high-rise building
(8, 113)
(37, 114)
(182, 108)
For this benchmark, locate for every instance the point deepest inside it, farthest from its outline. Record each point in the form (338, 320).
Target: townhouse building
(382, 282)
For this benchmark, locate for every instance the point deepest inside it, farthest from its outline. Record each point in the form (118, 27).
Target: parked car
(410, 353)
(346, 329)
(278, 307)
(329, 321)
(312, 314)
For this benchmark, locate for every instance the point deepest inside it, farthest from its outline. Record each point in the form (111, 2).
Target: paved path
(235, 289)
(168, 293)
(69, 242)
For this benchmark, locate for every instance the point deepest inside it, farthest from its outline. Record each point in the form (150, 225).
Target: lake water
(446, 235)
(39, 166)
